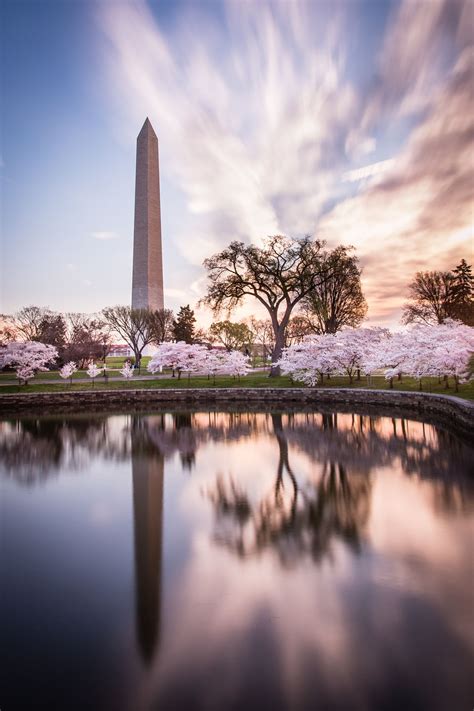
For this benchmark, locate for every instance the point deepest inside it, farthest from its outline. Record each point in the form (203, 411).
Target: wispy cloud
(419, 215)
(367, 171)
(104, 235)
(263, 132)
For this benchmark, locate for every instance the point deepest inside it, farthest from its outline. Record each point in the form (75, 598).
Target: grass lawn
(112, 372)
(255, 380)
(118, 361)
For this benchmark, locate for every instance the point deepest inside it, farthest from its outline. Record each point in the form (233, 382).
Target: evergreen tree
(462, 290)
(183, 326)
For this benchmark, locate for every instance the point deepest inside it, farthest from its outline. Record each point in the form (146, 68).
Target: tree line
(304, 288)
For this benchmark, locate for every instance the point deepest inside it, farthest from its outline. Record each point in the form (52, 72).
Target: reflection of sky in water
(210, 561)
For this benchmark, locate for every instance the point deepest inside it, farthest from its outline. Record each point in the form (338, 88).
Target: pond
(245, 560)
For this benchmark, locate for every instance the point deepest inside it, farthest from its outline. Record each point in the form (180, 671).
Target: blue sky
(347, 120)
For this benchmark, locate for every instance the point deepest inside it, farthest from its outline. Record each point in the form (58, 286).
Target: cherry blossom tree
(27, 358)
(195, 358)
(454, 351)
(68, 370)
(93, 371)
(178, 356)
(237, 364)
(353, 350)
(307, 362)
(127, 370)
(442, 350)
(346, 352)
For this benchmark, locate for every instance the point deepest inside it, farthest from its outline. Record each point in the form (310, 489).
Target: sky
(350, 121)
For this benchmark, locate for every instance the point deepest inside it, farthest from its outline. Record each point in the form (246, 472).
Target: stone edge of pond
(446, 406)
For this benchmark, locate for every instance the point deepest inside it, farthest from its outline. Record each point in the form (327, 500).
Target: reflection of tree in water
(293, 519)
(186, 432)
(297, 518)
(32, 450)
(423, 451)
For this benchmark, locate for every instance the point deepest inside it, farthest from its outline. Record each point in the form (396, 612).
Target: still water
(235, 561)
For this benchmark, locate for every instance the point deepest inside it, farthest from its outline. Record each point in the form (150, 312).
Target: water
(235, 561)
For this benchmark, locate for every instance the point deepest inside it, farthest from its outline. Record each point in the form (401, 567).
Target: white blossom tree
(443, 350)
(346, 352)
(68, 370)
(127, 370)
(194, 358)
(237, 364)
(27, 358)
(180, 357)
(93, 371)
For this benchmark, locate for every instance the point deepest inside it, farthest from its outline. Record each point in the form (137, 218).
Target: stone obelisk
(147, 280)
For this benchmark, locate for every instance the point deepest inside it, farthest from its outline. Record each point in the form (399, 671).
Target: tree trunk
(391, 383)
(277, 351)
(138, 358)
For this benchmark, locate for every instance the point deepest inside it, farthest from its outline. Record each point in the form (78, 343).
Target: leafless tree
(278, 275)
(299, 327)
(88, 338)
(132, 325)
(161, 325)
(337, 301)
(431, 295)
(28, 320)
(263, 335)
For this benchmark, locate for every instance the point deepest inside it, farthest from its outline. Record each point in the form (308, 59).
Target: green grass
(257, 380)
(112, 372)
(118, 361)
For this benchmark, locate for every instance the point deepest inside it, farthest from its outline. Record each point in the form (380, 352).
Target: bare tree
(431, 295)
(28, 320)
(263, 335)
(299, 327)
(337, 301)
(88, 338)
(132, 325)
(278, 275)
(161, 325)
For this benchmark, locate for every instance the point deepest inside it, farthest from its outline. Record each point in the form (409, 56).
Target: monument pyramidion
(147, 278)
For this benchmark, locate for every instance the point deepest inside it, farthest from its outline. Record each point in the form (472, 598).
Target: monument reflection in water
(236, 560)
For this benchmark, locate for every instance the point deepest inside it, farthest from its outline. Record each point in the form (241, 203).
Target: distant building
(118, 350)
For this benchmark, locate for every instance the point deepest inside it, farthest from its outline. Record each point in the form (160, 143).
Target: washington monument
(147, 281)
